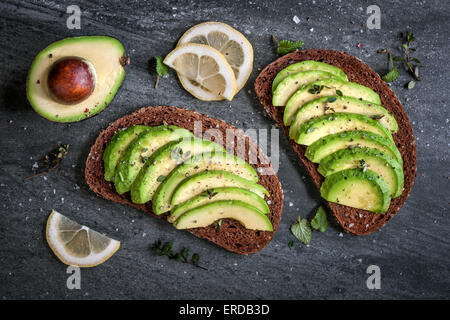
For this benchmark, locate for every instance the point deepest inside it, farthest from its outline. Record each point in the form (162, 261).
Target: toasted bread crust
(232, 235)
(355, 221)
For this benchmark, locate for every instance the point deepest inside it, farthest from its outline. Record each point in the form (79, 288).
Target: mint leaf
(286, 46)
(320, 222)
(161, 68)
(391, 76)
(301, 230)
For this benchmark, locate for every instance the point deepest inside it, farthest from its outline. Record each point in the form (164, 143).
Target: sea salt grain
(296, 19)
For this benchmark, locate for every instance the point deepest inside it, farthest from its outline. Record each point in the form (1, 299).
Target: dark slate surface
(412, 250)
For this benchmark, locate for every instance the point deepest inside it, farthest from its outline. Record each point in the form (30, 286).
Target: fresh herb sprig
(166, 249)
(301, 229)
(410, 63)
(161, 69)
(286, 46)
(51, 161)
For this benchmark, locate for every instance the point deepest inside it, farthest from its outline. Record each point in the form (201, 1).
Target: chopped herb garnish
(182, 256)
(291, 244)
(393, 74)
(161, 178)
(50, 161)
(377, 116)
(332, 99)
(339, 93)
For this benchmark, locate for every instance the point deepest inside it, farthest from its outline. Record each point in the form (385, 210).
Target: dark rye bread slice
(355, 221)
(232, 235)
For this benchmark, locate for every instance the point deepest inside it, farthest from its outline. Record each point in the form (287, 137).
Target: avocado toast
(353, 220)
(232, 236)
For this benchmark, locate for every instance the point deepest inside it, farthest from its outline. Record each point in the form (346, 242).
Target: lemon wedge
(205, 68)
(231, 43)
(77, 245)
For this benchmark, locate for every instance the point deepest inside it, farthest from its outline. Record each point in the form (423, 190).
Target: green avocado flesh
(384, 165)
(307, 66)
(203, 181)
(202, 162)
(105, 54)
(326, 88)
(213, 195)
(358, 189)
(140, 150)
(163, 161)
(289, 85)
(117, 146)
(330, 105)
(348, 140)
(203, 216)
(319, 127)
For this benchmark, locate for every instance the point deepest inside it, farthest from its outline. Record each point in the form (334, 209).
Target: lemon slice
(78, 245)
(231, 43)
(205, 67)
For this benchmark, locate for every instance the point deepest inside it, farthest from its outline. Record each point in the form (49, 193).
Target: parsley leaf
(286, 46)
(320, 222)
(391, 76)
(161, 69)
(301, 230)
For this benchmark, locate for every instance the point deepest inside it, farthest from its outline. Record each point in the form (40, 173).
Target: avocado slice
(117, 146)
(351, 139)
(163, 161)
(203, 216)
(199, 163)
(140, 150)
(357, 188)
(319, 127)
(205, 180)
(326, 88)
(377, 161)
(213, 195)
(105, 57)
(329, 105)
(289, 85)
(306, 66)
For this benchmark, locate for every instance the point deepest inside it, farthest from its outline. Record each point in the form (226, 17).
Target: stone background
(412, 250)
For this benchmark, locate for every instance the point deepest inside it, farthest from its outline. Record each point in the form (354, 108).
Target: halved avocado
(203, 216)
(306, 66)
(213, 195)
(351, 139)
(326, 88)
(140, 150)
(117, 146)
(332, 104)
(202, 162)
(163, 161)
(289, 85)
(104, 58)
(200, 182)
(379, 162)
(357, 189)
(317, 128)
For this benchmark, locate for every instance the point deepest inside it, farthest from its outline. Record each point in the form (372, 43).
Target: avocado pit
(71, 80)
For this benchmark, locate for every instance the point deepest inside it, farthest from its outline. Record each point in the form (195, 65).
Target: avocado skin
(354, 175)
(93, 110)
(125, 175)
(328, 119)
(220, 205)
(211, 195)
(354, 137)
(387, 119)
(326, 164)
(306, 66)
(199, 177)
(161, 199)
(142, 181)
(117, 146)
